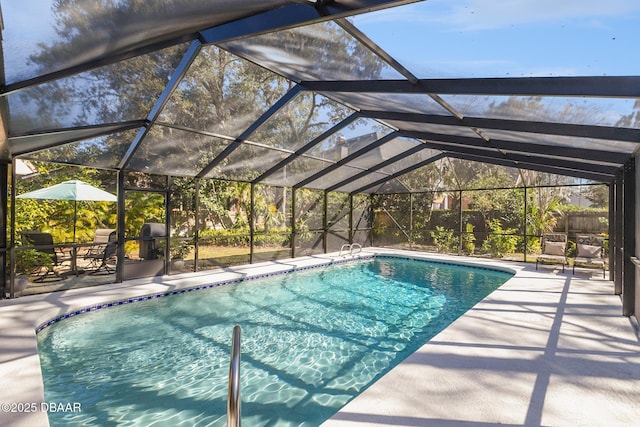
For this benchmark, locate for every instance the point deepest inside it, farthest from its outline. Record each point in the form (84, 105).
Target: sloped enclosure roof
(356, 96)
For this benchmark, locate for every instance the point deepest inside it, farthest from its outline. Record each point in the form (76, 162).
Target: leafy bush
(272, 239)
(468, 239)
(30, 260)
(444, 239)
(533, 245)
(278, 237)
(500, 241)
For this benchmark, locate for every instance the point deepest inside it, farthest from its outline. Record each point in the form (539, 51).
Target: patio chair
(100, 239)
(590, 252)
(43, 242)
(554, 249)
(102, 251)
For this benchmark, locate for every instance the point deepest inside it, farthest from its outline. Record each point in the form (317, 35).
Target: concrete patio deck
(546, 348)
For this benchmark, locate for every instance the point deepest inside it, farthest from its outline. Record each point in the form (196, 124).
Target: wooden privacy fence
(583, 222)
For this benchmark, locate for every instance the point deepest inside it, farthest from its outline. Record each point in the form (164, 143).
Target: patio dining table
(70, 252)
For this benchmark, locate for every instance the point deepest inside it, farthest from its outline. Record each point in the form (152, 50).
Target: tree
(220, 94)
(631, 120)
(496, 195)
(598, 195)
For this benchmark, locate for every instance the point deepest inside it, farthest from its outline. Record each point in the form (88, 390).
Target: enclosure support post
(12, 220)
(325, 222)
(629, 239)
(350, 219)
(196, 205)
(612, 233)
(410, 220)
(370, 219)
(293, 223)
(461, 229)
(524, 225)
(167, 224)
(252, 226)
(120, 226)
(619, 232)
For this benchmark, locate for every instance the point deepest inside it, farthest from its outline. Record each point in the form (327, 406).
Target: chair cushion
(589, 251)
(554, 248)
(102, 235)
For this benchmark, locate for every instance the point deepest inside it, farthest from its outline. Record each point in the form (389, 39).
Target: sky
(446, 38)
(510, 38)
(22, 31)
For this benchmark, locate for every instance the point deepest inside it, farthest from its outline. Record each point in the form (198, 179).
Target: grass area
(230, 251)
(221, 256)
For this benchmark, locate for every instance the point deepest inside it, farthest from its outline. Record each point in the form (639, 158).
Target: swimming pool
(312, 340)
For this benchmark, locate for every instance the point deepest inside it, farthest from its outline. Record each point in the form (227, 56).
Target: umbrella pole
(74, 249)
(75, 216)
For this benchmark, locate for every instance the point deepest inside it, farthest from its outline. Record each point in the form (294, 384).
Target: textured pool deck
(547, 348)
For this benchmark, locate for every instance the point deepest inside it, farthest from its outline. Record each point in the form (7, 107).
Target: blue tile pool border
(132, 300)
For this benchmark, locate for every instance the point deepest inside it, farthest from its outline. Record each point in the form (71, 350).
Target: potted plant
(177, 251)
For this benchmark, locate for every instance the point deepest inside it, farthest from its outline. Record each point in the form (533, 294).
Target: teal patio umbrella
(71, 190)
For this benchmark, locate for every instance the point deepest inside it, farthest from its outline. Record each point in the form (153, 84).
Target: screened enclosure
(288, 128)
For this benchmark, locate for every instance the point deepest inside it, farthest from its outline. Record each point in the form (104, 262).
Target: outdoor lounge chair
(102, 251)
(43, 242)
(590, 252)
(554, 249)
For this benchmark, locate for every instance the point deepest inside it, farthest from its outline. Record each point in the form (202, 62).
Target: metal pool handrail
(233, 399)
(350, 247)
(345, 246)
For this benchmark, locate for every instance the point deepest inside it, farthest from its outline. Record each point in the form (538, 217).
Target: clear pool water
(311, 341)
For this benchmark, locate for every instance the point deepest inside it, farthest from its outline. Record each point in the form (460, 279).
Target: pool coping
(20, 375)
(333, 261)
